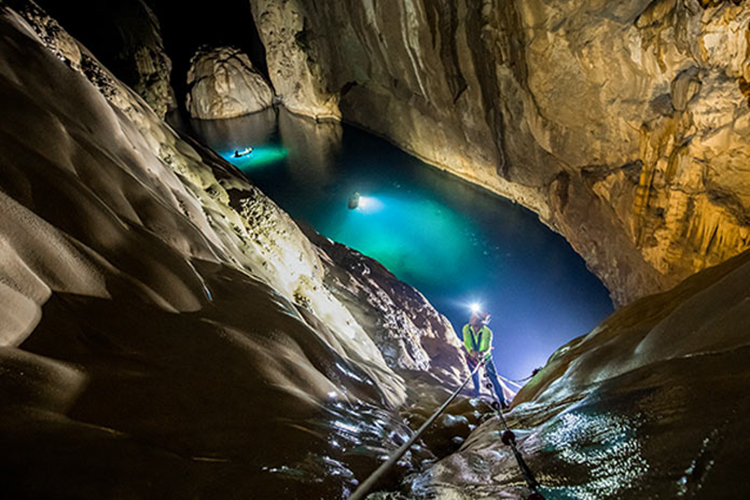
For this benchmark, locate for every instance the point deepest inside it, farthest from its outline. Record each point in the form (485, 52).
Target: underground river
(457, 243)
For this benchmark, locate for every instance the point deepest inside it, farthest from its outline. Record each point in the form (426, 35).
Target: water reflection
(255, 129)
(413, 251)
(605, 445)
(256, 132)
(313, 148)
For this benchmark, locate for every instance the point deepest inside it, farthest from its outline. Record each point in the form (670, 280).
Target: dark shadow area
(106, 27)
(186, 27)
(184, 405)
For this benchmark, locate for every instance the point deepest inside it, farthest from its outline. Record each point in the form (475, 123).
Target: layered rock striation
(623, 124)
(222, 83)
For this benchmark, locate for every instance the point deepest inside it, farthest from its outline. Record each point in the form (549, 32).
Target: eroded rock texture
(166, 329)
(127, 37)
(623, 124)
(222, 83)
(410, 335)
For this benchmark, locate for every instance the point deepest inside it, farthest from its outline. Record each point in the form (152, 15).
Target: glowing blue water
(454, 242)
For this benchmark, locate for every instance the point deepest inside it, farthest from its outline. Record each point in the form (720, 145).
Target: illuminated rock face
(645, 406)
(295, 73)
(166, 329)
(127, 38)
(623, 124)
(404, 326)
(222, 83)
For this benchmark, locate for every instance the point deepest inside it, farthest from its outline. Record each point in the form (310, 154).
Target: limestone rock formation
(407, 330)
(166, 329)
(223, 84)
(127, 38)
(650, 404)
(147, 68)
(623, 124)
(300, 81)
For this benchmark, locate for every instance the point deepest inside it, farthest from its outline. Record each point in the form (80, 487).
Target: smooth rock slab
(224, 84)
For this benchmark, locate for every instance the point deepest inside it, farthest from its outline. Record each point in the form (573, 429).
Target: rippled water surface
(454, 242)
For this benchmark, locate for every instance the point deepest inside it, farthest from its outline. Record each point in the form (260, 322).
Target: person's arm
(468, 343)
(486, 345)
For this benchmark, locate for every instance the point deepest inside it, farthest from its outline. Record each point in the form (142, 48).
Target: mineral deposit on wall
(623, 124)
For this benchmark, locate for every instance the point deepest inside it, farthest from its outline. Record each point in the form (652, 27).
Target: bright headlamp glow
(369, 204)
(475, 307)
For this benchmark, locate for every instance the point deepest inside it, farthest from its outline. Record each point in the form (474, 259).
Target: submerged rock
(223, 83)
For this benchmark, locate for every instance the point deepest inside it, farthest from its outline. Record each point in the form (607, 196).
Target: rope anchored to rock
(367, 485)
(508, 438)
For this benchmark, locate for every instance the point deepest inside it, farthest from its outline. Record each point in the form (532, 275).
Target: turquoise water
(455, 242)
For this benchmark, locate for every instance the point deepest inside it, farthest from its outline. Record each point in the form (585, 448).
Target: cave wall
(126, 36)
(148, 44)
(623, 124)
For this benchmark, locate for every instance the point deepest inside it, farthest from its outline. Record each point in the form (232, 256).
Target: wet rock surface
(166, 330)
(222, 83)
(622, 124)
(648, 405)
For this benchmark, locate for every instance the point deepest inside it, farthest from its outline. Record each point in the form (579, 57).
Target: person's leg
(475, 377)
(492, 375)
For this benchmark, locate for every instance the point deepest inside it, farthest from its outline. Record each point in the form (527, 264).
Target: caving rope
(515, 383)
(365, 487)
(508, 438)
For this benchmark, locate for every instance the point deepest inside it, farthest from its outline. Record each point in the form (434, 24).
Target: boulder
(223, 83)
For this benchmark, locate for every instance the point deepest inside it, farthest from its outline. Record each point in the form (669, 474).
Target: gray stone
(223, 84)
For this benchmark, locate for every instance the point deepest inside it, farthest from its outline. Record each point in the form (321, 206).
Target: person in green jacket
(478, 343)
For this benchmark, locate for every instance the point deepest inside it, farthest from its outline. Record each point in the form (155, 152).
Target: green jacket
(480, 341)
